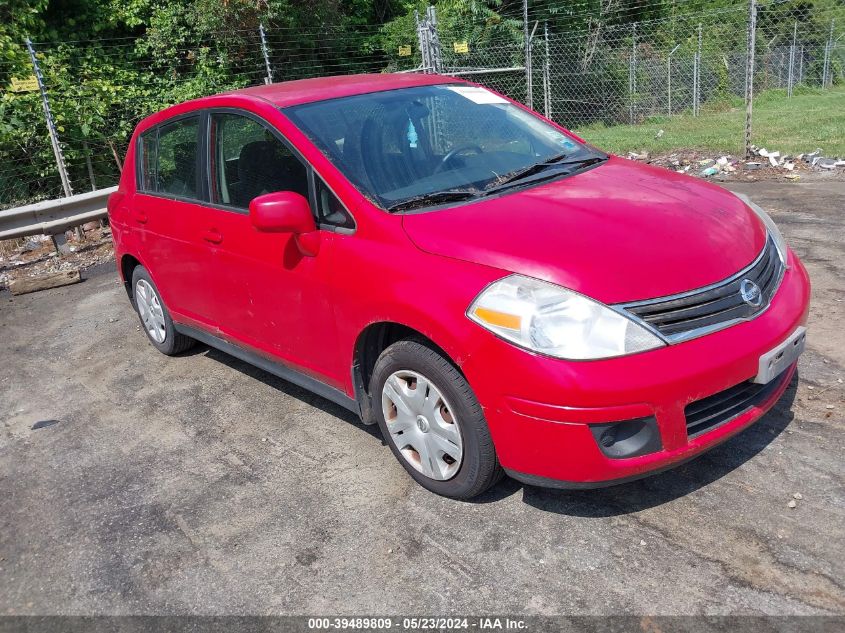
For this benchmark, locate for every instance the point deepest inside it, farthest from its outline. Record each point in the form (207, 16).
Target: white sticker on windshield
(477, 95)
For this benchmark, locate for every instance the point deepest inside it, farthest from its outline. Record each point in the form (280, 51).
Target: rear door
(170, 216)
(272, 297)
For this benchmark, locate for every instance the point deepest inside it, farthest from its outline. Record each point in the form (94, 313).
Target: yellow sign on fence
(404, 51)
(27, 84)
(461, 47)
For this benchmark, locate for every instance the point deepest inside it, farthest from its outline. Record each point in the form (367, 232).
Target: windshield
(433, 144)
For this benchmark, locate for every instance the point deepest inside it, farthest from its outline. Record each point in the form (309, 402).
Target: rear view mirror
(286, 212)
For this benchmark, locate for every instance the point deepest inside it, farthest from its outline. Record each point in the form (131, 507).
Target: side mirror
(281, 212)
(286, 212)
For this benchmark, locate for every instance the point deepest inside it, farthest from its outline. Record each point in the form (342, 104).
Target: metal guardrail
(52, 217)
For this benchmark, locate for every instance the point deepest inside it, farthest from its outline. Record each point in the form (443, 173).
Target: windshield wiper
(556, 161)
(435, 197)
(456, 195)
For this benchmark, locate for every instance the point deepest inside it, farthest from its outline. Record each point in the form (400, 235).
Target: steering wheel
(455, 152)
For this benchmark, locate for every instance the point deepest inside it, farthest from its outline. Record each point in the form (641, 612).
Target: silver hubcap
(421, 425)
(149, 307)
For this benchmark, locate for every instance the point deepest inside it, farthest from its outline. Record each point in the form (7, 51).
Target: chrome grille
(691, 314)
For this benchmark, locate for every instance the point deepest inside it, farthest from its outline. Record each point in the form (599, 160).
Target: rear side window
(167, 159)
(176, 158)
(247, 161)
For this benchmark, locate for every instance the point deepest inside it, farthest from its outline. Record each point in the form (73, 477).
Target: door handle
(140, 217)
(213, 236)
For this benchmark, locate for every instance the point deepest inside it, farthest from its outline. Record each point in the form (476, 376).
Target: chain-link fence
(609, 77)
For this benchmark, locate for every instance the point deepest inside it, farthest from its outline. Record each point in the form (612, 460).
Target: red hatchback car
(497, 295)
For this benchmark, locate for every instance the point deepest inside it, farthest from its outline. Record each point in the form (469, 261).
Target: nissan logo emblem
(750, 293)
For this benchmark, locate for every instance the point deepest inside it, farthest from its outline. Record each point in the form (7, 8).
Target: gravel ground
(199, 484)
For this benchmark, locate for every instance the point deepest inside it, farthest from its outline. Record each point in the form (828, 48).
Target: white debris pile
(713, 166)
(684, 163)
(763, 163)
(775, 159)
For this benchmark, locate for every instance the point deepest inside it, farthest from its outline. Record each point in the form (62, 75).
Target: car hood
(619, 232)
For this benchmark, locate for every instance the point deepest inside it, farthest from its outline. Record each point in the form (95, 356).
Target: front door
(272, 297)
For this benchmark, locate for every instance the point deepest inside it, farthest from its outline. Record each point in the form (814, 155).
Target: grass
(810, 119)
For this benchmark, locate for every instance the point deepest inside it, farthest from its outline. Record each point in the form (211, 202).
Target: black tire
(479, 469)
(174, 342)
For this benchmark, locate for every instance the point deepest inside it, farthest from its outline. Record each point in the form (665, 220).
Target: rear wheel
(155, 319)
(432, 421)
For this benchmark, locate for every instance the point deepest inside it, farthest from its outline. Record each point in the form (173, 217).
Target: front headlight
(552, 320)
(771, 227)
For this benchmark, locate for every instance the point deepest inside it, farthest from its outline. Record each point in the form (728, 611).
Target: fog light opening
(628, 438)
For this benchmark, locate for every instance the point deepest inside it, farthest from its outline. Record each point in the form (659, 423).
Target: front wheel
(432, 421)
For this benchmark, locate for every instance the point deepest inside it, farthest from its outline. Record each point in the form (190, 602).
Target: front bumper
(540, 410)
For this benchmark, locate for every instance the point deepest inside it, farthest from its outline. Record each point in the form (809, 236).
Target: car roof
(299, 91)
(321, 88)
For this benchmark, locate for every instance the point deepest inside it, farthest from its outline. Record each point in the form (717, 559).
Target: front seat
(261, 169)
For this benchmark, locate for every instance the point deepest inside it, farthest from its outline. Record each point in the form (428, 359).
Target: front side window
(247, 161)
(404, 145)
(330, 210)
(176, 158)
